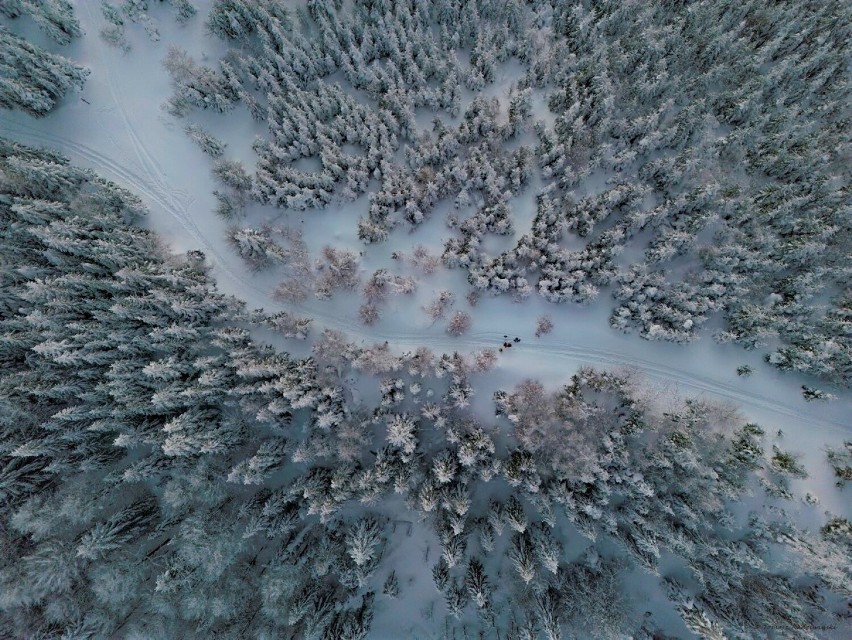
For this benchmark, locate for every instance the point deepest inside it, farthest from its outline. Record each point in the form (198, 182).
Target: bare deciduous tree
(368, 314)
(544, 326)
(459, 323)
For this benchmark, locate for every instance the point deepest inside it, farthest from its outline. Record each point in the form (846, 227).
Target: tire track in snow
(574, 354)
(147, 161)
(104, 164)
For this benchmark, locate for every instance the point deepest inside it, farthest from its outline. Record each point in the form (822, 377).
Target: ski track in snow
(151, 186)
(152, 183)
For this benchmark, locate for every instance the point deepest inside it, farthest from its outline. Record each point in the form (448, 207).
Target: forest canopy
(164, 474)
(694, 157)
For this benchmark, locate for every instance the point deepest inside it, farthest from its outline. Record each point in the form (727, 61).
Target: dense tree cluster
(392, 53)
(131, 404)
(696, 152)
(31, 78)
(460, 163)
(54, 17)
(718, 132)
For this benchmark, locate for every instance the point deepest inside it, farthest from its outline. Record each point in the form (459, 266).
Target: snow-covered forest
(694, 157)
(325, 319)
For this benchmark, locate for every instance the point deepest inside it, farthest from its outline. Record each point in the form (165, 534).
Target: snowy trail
(133, 145)
(154, 187)
(151, 187)
(570, 356)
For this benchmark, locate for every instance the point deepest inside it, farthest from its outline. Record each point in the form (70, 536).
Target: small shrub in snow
(403, 284)
(382, 282)
(291, 290)
(840, 460)
(288, 325)
(391, 586)
(368, 314)
(378, 359)
(333, 347)
(459, 323)
(543, 326)
(228, 206)
(421, 363)
(810, 394)
(438, 307)
(114, 36)
(392, 391)
(484, 359)
(423, 261)
(787, 463)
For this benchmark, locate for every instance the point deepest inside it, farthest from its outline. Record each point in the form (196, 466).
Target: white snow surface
(124, 134)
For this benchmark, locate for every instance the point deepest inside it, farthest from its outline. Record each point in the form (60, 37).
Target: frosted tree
(544, 325)
(457, 598)
(368, 314)
(515, 516)
(547, 548)
(117, 531)
(378, 359)
(811, 393)
(338, 269)
(391, 585)
(233, 174)
(362, 541)
(402, 434)
(197, 86)
(209, 144)
(444, 468)
(786, 463)
(255, 470)
(840, 459)
(438, 307)
(548, 603)
(477, 584)
(423, 261)
(522, 558)
(32, 79)
(257, 247)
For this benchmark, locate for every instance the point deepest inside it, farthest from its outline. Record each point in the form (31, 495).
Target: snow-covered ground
(121, 131)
